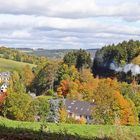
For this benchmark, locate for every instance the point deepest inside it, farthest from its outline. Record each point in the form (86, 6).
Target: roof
(4, 74)
(79, 107)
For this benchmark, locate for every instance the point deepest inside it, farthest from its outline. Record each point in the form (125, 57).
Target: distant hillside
(53, 54)
(20, 56)
(10, 65)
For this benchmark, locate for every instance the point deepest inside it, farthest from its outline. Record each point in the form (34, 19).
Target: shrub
(17, 106)
(40, 106)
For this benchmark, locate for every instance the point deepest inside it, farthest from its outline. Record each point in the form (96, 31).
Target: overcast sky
(58, 24)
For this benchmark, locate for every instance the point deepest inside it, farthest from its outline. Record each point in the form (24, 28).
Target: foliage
(66, 72)
(40, 106)
(63, 115)
(17, 106)
(44, 80)
(16, 83)
(68, 88)
(133, 93)
(110, 106)
(27, 76)
(82, 120)
(16, 55)
(81, 59)
(2, 100)
(120, 54)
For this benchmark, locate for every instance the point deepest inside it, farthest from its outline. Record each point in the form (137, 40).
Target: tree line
(115, 102)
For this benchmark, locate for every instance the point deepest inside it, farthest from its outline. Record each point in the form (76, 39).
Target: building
(4, 77)
(3, 88)
(77, 109)
(4, 81)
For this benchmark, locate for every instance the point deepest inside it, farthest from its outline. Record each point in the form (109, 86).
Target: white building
(3, 88)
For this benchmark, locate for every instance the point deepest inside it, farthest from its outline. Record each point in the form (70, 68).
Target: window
(69, 106)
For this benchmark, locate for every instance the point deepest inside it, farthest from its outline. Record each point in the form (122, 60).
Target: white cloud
(20, 34)
(70, 24)
(71, 8)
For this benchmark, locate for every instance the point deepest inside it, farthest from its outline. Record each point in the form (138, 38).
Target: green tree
(67, 72)
(45, 79)
(27, 76)
(40, 105)
(17, 107)
(16, 83)
(81, 59)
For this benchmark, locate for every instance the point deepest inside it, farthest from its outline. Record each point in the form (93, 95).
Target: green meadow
(10, 65)
(84, 131)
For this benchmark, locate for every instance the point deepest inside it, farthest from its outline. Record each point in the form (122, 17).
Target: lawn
(10, 65)
(72, 129)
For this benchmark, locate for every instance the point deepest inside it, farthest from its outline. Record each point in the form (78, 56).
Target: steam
(134, 69)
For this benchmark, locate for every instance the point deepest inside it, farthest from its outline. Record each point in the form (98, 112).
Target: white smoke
(134, 69)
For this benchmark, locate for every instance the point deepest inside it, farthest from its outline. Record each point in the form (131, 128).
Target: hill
(112, 57)
(10, 65)
(54, 53)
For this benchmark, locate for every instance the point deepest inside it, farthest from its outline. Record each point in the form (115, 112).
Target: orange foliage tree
(68, 88)
(126, 110)
(111, 107)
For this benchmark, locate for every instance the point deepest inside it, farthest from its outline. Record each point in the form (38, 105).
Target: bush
(17, 107)
(40, 105)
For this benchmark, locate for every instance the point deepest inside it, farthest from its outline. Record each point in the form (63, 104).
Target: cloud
(68, 24)
(71, 8)
(20, 34)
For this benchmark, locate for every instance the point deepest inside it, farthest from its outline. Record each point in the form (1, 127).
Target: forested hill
(54, 53)
(123, 57)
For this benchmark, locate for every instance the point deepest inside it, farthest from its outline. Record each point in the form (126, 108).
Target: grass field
(10, 65)
(72, 129)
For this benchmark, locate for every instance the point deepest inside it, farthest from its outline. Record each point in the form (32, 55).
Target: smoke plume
(134, 69)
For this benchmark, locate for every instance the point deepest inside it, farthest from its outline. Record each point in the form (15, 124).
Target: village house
(4, 81)
(3, 88)
(4, 77)
(77, 109)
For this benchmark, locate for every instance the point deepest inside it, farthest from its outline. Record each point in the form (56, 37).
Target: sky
(68, 24)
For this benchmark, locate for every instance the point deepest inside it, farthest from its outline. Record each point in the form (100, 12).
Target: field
(84, 131)
(10, 65)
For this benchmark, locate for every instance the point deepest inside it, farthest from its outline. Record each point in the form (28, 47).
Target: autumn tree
(69, 89)
(110, 105)
(16, 83)
(104, 99)
(44, 80)
(27, 76)
(125, 110)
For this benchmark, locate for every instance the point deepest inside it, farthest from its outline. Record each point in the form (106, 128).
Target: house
(3, 88)
(4, 81)
(4, 77)
(77, 109)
